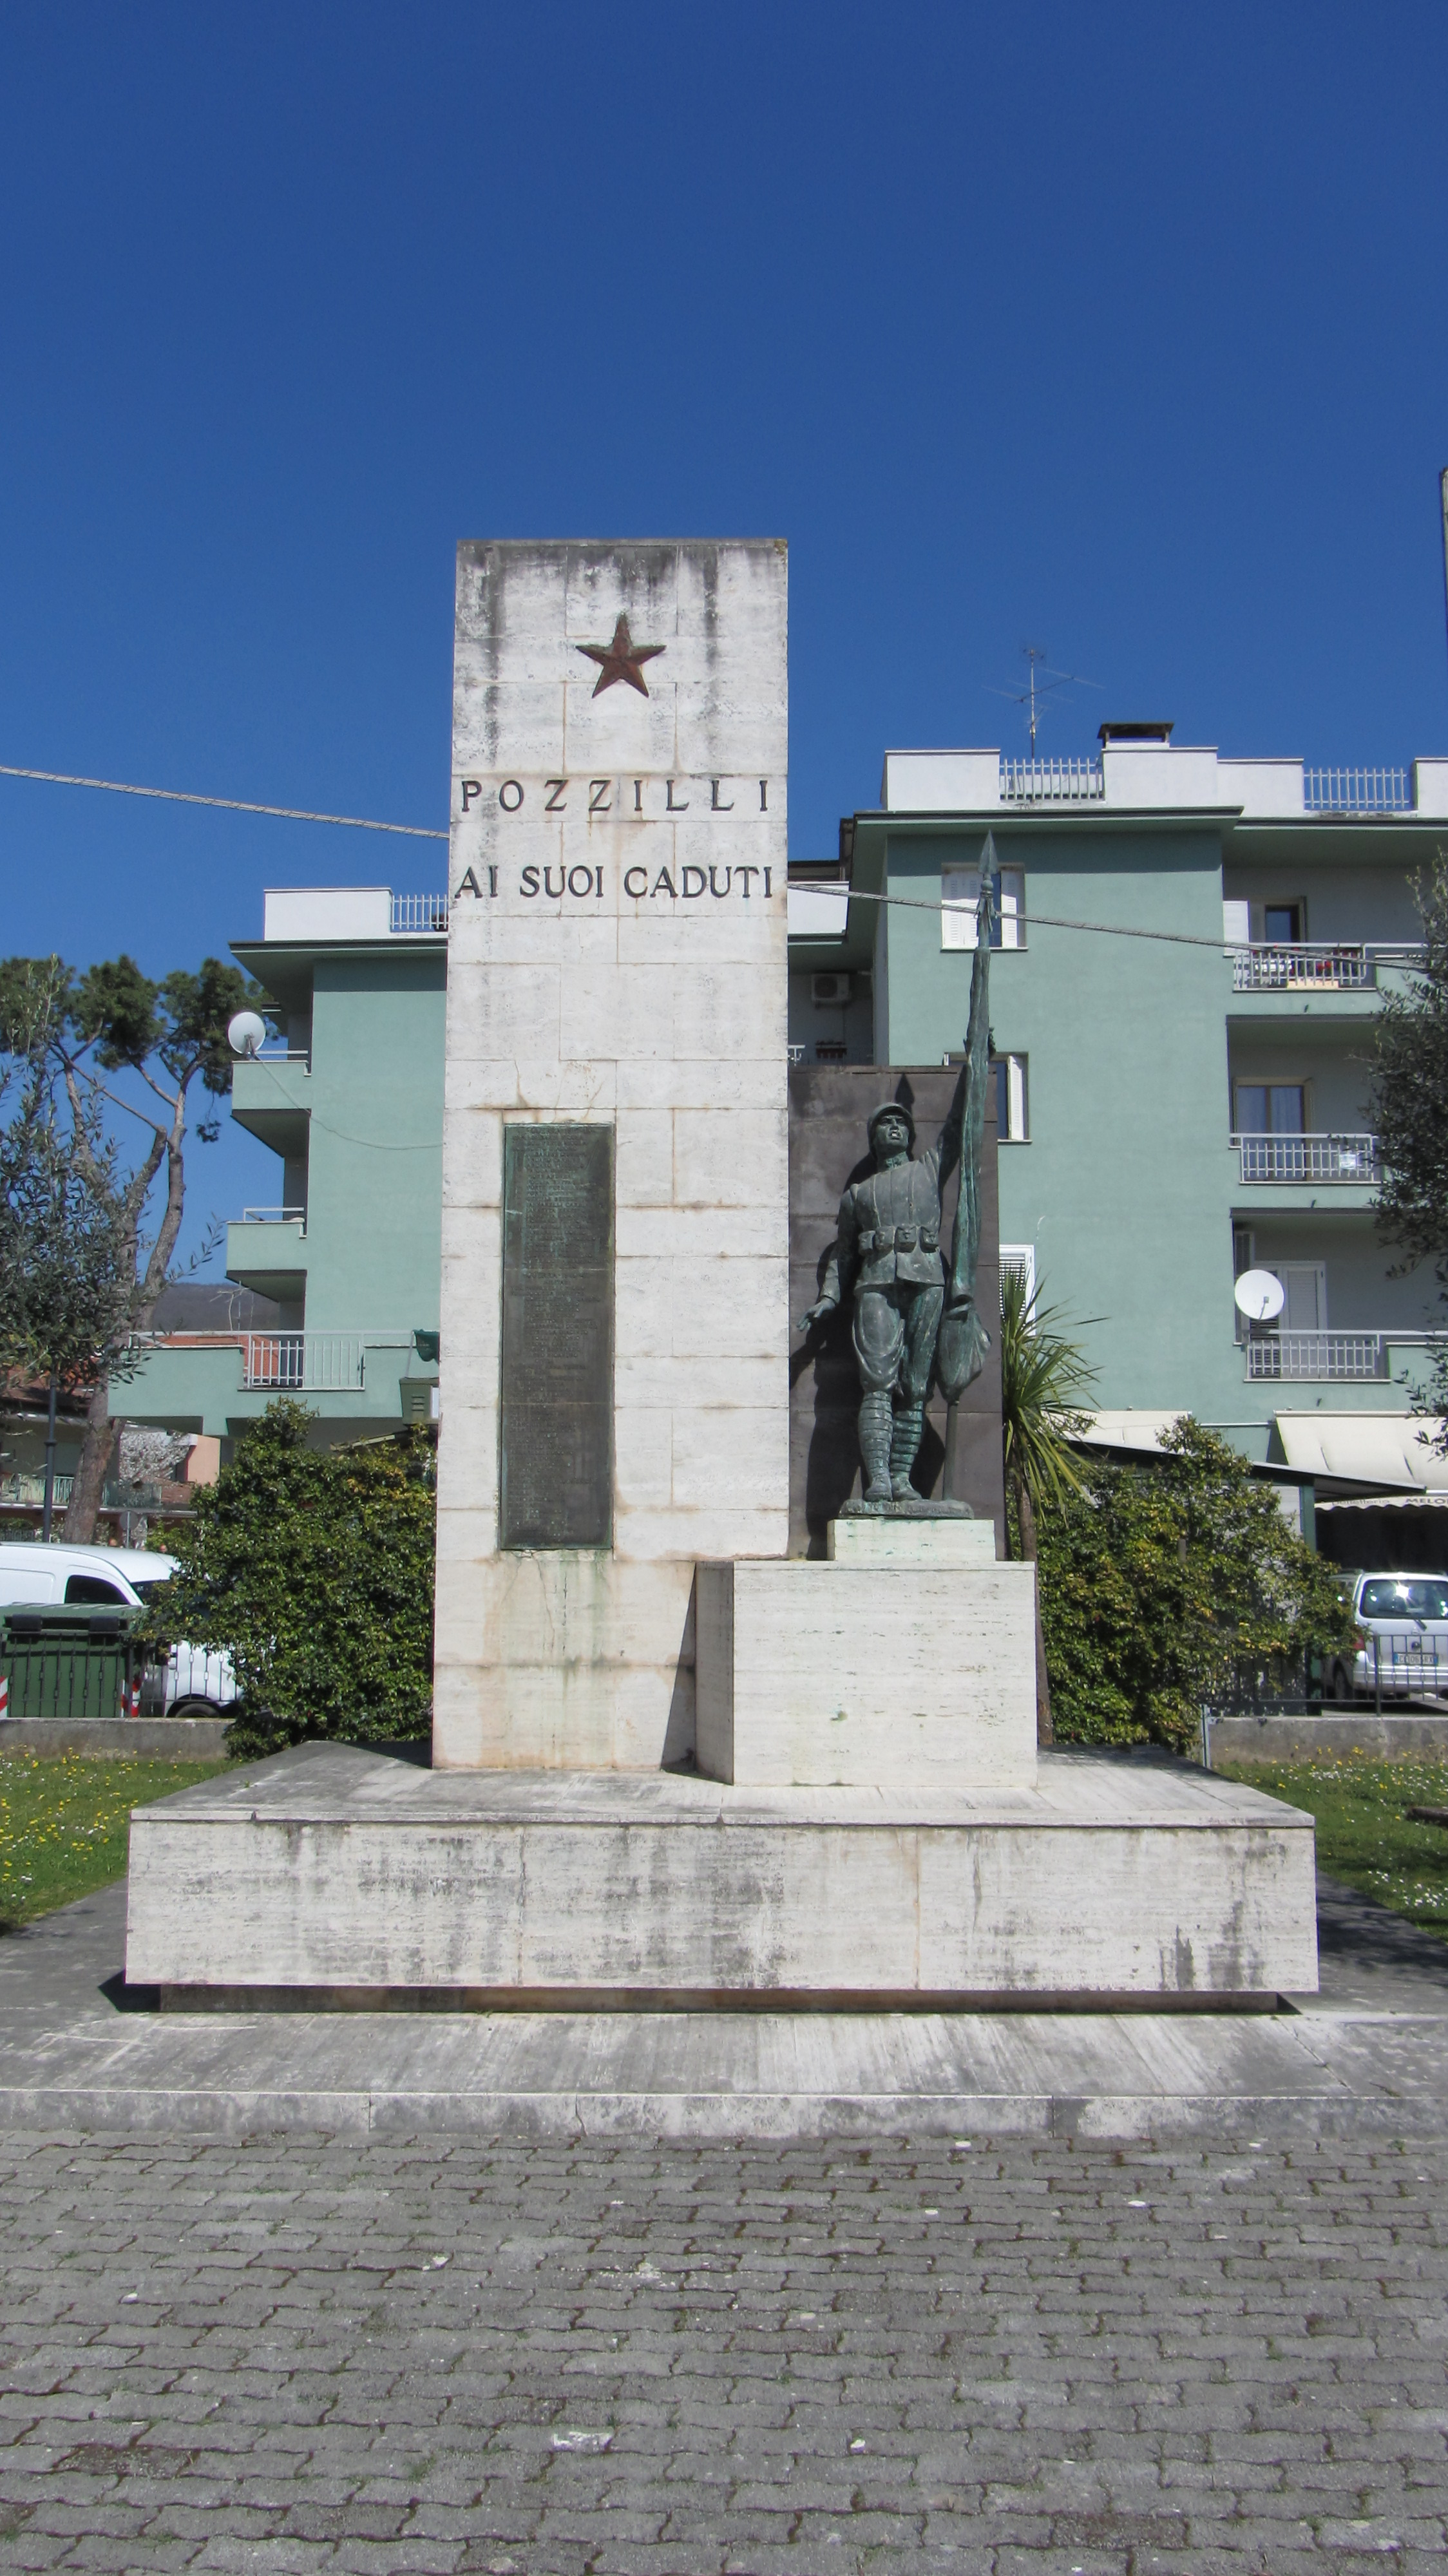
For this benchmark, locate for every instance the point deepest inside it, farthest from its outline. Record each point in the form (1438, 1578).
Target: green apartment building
(347, 1093)
(1191, 953)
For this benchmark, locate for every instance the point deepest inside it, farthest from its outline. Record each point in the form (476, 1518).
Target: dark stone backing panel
(828, 1107)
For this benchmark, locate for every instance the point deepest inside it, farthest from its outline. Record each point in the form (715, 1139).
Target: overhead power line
(424, 832)
(230, 804)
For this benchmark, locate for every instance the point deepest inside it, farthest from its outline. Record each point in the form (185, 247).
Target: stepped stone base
(331, 1876)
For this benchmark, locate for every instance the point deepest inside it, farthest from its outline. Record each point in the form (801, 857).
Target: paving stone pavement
(1029, 2358)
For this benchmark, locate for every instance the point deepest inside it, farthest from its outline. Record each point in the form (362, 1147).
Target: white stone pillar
(617, 955)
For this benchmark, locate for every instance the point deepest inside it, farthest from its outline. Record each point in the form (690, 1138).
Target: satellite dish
(1259, 1296)
(244, 1034)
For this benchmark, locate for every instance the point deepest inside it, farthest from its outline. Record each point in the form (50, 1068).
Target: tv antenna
(1042, 682)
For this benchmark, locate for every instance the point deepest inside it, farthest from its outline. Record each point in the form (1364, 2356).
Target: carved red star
(620, 660)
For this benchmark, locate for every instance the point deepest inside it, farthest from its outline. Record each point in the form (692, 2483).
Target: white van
(1403, 1619)
(197, 1682)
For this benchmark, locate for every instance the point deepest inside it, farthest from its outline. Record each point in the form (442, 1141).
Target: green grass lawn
(1363, 1836)
(63, 1824)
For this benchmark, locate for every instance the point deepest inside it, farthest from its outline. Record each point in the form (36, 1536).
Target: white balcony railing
(1051, 782)
(1356, 791)
(274, 1216)
(412, 912)
(30, 1488)
(1317, 1355)
(1308, 1158)
(304, 1363)
(315, 1363)
(1302, 967)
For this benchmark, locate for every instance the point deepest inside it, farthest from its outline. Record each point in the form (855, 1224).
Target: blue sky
(1118, 330)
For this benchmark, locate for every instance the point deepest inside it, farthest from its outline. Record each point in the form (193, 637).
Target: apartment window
(1271, 1109)
(1020, 1258)
(1273, 925)
(959, 895)
(1013, 1121)
(1282, 924)
(1304, 1295)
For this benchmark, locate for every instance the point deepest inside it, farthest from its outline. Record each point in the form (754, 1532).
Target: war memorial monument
(735, 1696)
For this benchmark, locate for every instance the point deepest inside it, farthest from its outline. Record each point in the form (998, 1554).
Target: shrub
(314, 1568)
(1167, 1586)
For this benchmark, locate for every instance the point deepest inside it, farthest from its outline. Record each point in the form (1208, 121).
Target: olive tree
(99, 1054)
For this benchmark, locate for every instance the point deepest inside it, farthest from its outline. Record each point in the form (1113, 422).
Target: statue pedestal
(906, 1660)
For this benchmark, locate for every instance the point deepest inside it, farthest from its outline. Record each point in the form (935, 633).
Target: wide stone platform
(332, 1875)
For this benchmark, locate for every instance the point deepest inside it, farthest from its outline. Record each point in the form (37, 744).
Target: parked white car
(1404, 1623)
(197, 1681)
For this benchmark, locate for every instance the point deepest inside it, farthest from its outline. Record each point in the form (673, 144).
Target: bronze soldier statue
(887, 1249)
(914, 1307)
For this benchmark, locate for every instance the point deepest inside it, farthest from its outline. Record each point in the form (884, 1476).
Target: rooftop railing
(1051, 782)
(413, 912)
(274, 1216)
(1357, 791)
(1308, 1158)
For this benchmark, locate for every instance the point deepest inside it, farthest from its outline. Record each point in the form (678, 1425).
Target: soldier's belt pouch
(902, 1238)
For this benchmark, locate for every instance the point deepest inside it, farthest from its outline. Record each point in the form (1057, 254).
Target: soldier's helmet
(890, 1109)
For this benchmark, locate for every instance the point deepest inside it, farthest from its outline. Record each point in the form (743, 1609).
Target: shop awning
(1389, 1450)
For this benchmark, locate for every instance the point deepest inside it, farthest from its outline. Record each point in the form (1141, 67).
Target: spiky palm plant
(1045, 1383)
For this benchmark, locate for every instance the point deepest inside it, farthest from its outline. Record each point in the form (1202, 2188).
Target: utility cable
(231, 804)
(426, 832)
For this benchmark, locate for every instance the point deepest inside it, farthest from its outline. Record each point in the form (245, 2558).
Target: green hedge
(314, 1568)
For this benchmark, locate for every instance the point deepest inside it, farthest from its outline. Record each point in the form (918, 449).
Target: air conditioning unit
(829, 989)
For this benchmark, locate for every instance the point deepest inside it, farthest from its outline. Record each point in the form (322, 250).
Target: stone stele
(617, 959)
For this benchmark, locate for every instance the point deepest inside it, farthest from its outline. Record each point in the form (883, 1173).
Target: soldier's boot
(875, 1447)
(905, 1439)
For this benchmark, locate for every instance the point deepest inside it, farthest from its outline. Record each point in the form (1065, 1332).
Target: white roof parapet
(299, 914)
(1155, 774)
(1261, 787)
(1150, 774)
(818, 911)
(1430, 788)
(940, 782)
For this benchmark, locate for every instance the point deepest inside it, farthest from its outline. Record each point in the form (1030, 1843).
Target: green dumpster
(76, 1662)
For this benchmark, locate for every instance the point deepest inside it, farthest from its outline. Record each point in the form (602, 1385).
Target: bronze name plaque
(556, 1427)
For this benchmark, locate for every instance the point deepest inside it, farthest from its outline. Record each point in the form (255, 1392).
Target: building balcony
(322, 1363)
(1346, 1161)
(304, 1363)
(1304, 967)
(1335, 980)
(1335, 1358)
(271, 1097)
(267, 1251)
